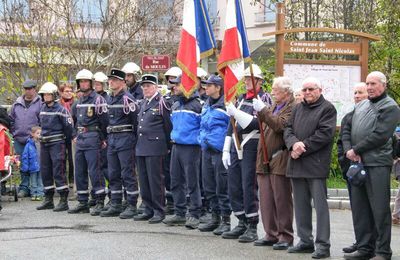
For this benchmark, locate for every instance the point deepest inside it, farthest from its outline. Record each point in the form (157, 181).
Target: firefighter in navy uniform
(121, 141)
(57, 128)
(154, 128)
(132, 72)
(100, 85)
(240, 161)
(170, 98)
(91, 117)
(185, 158)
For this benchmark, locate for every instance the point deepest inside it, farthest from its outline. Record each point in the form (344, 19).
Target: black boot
(98, 208)
(236, 231)
(107, 206)
(48, 202)
(129, 212)
(82, 207)
(251, 233)
(63, 203)
(114, 210)
(141, 208)
(225, 226)
(212, 224)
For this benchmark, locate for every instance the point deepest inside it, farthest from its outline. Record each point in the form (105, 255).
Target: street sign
(155, 62)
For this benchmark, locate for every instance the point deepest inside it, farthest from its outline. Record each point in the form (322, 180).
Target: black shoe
(357, 255)
(63, 204)
(212, 224)
(129, 212)
(250, 235)
(264, 242)
(82, 207)
(156, 219)
(350, 249)
(92, 202)
(142, 217)
(225, 226)
(124, 204)
(205, 217)
(192, 223)
(236, 232)
(320, 254)
(113, 211)
(281, 245)
(48, 202)
(175, 220)
(107, 206)
(301, 248)
(96, 211)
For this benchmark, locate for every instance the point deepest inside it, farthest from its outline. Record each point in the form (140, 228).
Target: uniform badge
(69, 120)
(89, 112)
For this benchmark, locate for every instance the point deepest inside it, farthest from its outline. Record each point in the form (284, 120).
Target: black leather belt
(52, 138)
(84, 129)
(119, 128)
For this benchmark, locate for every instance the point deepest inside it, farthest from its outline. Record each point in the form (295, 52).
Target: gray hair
(311, 80)
(283, 83)
(379, 75)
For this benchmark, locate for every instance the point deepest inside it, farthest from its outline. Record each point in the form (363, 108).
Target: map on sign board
(337, 82)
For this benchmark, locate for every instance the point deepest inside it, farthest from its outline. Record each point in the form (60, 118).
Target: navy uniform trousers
(215, 182)
(88, 162)
(242, 181)
(121, 168)
(185, 171)
(152, 187)
(52, 167)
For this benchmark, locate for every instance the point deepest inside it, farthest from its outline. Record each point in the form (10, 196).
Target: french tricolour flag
(235, 49)
(197, 42)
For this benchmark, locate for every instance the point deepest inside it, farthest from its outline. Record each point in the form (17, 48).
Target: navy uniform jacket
(105, 96)
(56, 120)
(91, 111)
(120, 114)
(154, 128)
(136, 91)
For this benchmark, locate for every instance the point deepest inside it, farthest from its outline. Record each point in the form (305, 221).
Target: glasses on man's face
(308, 89)
(67, 91)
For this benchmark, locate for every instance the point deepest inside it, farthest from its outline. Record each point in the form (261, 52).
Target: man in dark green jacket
(369, 141)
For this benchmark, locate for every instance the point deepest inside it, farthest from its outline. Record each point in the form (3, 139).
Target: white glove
(226, 155)
(231, 109)
(258, 105)
(226, 159)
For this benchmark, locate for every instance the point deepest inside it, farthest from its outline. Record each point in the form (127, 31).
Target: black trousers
(151, 181)
(371, 212)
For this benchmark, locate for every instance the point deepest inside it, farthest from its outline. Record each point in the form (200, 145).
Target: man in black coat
(309, 138)
(153, 143)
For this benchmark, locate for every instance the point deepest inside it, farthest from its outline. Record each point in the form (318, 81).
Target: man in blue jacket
(185, 158)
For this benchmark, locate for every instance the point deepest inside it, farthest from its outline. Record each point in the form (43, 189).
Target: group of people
(267, 153)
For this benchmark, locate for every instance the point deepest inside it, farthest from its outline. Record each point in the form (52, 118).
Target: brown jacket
(273, 135)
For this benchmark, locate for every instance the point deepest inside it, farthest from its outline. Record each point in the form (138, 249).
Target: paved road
(26, 233)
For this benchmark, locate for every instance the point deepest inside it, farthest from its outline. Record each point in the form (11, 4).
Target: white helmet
(256, 72)
(84, 74)
(49, 88)
(100, 77)
(131, 68)
(201, 73)
(173, 72)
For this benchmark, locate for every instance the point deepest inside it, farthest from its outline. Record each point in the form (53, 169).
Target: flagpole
(232, 119)
(262, 139)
